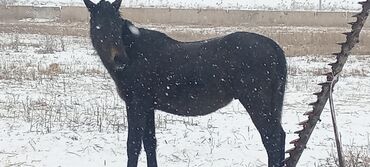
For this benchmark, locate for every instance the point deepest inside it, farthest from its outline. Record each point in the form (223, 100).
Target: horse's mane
(128, 36)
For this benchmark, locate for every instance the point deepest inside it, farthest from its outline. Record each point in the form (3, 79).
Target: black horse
(155, 72)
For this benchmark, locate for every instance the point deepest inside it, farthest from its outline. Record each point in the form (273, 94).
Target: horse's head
(106, 32)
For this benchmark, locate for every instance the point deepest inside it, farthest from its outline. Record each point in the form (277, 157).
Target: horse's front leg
(138, 112)
(150, 141)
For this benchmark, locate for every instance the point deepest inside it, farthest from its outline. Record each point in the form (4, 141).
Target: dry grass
(354, 157)
(52, 70)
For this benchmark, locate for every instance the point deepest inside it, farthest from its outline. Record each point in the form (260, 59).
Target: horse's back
(252, 45)
(241, 46)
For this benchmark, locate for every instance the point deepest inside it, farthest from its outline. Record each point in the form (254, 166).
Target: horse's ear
(117, 4)
(90, 5)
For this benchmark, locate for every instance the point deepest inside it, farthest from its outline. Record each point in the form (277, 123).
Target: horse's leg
(150, 142)
(266, 117)
(137, 113)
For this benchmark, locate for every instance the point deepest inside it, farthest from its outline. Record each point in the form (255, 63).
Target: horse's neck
(147, 42)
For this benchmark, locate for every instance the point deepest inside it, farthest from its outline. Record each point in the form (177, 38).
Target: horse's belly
(193, 102)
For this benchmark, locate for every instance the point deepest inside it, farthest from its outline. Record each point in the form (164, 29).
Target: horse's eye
(98, 27)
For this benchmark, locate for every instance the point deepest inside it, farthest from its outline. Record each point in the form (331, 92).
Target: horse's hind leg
(266, 117)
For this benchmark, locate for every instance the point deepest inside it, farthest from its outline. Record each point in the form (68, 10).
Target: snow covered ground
(326, 5)
(59, 107)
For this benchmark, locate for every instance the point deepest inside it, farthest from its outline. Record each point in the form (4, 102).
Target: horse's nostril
(117, 60)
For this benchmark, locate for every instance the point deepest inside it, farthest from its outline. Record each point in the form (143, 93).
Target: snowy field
(325, 5)
(59, 107)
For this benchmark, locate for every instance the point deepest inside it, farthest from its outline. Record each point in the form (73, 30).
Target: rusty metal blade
(322, 96)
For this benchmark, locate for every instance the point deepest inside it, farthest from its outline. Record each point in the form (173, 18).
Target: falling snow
(62, 109)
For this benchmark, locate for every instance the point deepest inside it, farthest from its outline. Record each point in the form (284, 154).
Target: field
(59, 107)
